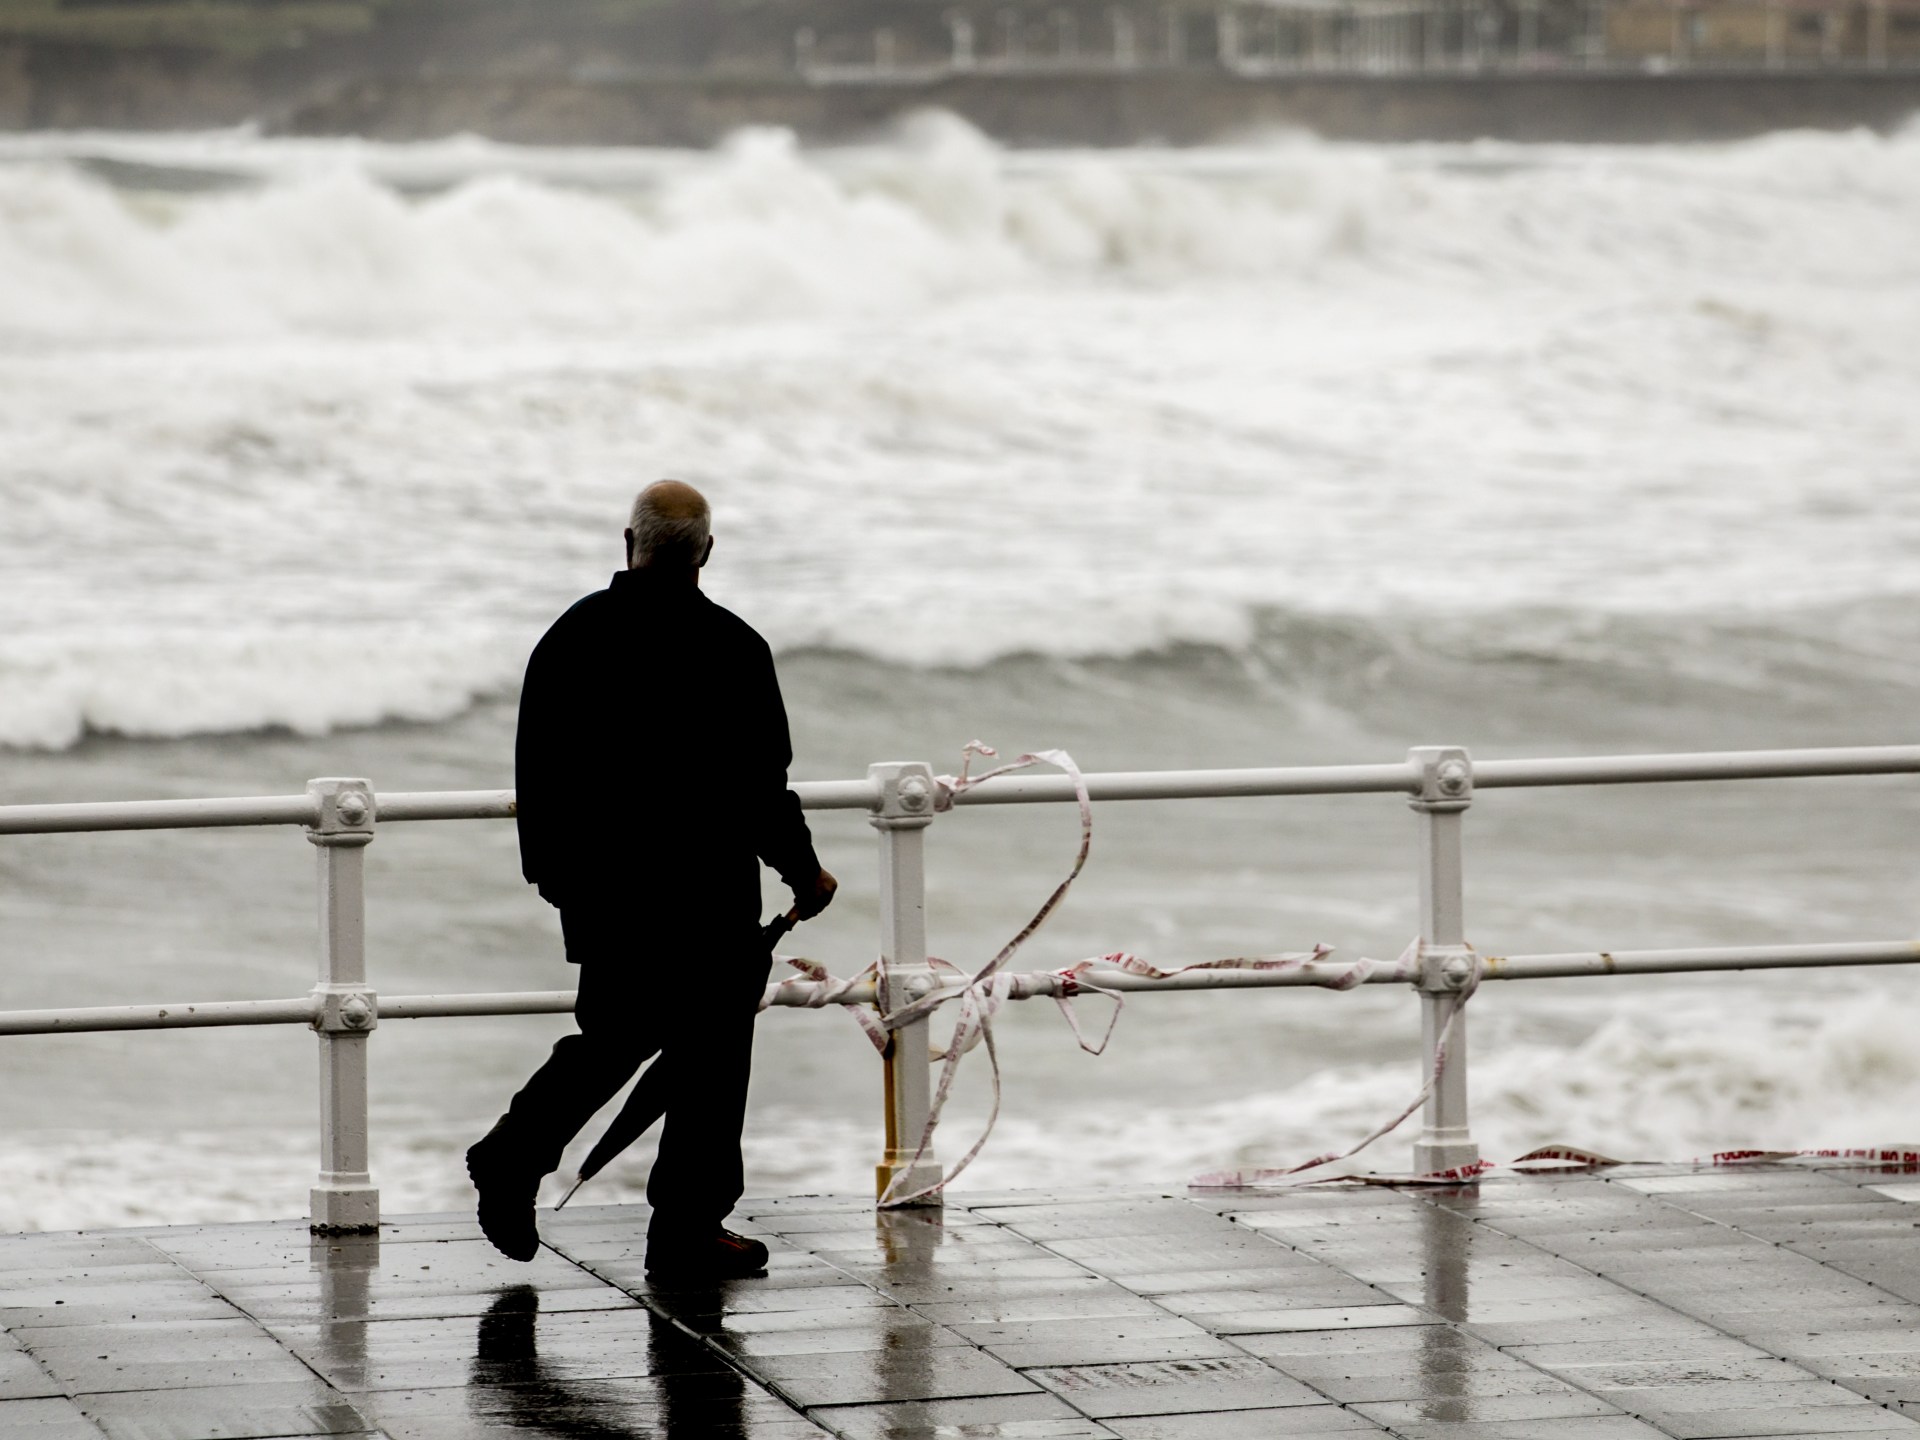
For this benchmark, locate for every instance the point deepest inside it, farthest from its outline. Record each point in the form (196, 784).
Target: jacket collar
(651, 586)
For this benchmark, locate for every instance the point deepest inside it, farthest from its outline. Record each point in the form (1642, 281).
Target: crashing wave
(328, 237)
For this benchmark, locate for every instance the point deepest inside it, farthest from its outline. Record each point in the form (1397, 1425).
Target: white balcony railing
(902, 800)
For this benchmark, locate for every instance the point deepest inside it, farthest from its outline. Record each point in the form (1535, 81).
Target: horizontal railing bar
(1709, 765)
(156, 814)
(1041, 984)
(1200, 784)
(444, 805)
(1325, 974)
(1656, 962)
(499, 804)
(1487, 774)
(191, 1016)
(798, 992)
(297, 1011)
(836, 794)
(1024, 789)
(505, 1002)
(1044, 984)
(393, 805)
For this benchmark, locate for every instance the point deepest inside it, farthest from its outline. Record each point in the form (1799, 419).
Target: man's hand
(811, 899)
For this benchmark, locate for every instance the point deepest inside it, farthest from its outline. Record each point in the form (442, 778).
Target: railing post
(905, 810)
(345, 1009)
(1446, 964)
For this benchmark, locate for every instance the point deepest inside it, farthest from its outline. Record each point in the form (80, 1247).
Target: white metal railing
(340, 817)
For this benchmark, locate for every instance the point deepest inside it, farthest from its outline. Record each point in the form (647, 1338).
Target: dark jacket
(651, 759)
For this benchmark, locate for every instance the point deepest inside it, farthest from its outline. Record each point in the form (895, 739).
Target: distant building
(1372, 36)
(1766, 33)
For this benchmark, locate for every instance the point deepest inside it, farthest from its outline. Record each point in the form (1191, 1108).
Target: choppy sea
(1283, 452)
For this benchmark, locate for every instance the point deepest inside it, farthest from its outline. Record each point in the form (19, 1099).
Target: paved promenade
(1654, 1302)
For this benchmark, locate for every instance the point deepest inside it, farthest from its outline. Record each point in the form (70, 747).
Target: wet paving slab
(46, 1419)
(1165, 1387)
(1642, 1302)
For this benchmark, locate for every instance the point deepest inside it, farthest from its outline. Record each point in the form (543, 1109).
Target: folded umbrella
(647, 1102)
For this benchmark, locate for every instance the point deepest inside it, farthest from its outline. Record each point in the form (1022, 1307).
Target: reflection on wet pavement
(511, 1383)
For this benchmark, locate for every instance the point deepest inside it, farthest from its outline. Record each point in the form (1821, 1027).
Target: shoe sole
(702, 1277)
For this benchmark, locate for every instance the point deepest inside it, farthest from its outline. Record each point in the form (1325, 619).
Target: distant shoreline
(1181, 108)
(48, 86)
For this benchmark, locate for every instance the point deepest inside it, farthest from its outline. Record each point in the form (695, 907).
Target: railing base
(916, 1177)
(1431, 1156)
(344, 1209)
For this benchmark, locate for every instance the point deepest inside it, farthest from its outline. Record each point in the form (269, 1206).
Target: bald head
(670, 529)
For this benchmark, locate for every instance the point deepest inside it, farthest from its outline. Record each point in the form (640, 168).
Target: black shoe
(507, 1193)
(723, 1256)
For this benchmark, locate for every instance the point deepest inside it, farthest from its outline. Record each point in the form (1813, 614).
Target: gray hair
(663, 537)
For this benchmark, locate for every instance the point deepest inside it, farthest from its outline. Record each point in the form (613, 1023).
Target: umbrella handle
(780, 927)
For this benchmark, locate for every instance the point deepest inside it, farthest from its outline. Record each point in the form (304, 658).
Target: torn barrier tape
(980, 995)
(983, 993)
(1554, 1159)
(1075, 979)
(1565, 1157)
(1442, 1048)
(816, 987)
(1906, 1156)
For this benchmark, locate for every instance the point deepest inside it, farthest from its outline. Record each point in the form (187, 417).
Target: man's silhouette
(651, 770)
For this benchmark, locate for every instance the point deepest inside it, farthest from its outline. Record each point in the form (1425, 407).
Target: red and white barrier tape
(1409, 963)
(829, 989)
(1906, 1156)
(1555, 1158)
(1311, 964)
(1562, 1157)
(980, 995)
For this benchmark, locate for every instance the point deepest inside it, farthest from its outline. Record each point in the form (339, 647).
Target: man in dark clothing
(651, 774)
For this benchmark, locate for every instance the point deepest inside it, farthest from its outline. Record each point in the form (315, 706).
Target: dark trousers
(689, 997)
